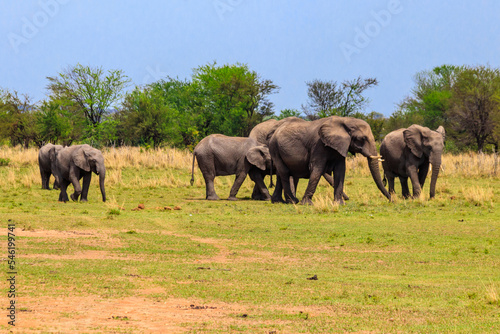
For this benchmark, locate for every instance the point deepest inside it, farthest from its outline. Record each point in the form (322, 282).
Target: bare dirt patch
(127, 315)
(84, 255)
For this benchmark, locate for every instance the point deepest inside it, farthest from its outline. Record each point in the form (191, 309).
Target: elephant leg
(294, 182)
(278, 191)
(236, 186)
(45, 180)
(329, 179)
(63, 195)
(390, 181)
(284, 180)
(311, 186)
(256, 194)
(78, 189)
(422, 174)
(85, 186)
(56, 183)
(260, 185)
(412, 171)
(287, 189)
(405, 191)
(338, 181)
(210, 189)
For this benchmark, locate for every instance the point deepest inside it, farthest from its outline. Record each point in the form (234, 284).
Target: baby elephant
(408, 152)
(76, 162)
(220, 155)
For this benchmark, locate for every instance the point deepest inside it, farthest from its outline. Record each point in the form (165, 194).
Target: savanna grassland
(183, 264)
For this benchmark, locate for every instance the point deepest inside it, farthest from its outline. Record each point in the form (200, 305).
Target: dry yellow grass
(478, 195)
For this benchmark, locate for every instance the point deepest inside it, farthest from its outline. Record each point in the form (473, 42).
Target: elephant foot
(277, 200)
(345, 197)
(306, 201)
(232, 198)
(292, 200)
(213, 198)
(266, 198)
(73, 197)
(83, 200)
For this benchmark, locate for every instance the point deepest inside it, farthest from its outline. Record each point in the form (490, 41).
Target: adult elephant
(263, 132)
(76, 162)
(47, 163)
(408, 152)
(220, 155)
(311, 149)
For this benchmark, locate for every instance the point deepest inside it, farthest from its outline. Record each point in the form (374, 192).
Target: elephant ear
(334, 134)
(440, 130)
(80, 159)
(257, 156)
(413, 139)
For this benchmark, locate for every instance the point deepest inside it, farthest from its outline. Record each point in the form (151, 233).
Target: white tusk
(381, 160)
(375, 157)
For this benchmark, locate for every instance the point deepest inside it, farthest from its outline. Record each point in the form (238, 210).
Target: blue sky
(289, 42)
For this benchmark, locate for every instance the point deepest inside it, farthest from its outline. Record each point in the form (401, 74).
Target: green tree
(18, 119)
(233, 98)
(54, 123)
(89, 90)
(185, 102)
(287, 113)
(145, 118)
(377, 123)
(476, 103)
(431, 96)
(327, 98)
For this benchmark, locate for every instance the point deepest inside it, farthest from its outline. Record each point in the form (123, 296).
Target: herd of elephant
(311, 149)
(292, 147)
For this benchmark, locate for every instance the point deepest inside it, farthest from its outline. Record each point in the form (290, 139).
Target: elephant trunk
(436, 165)
(102, 176)
(375, 171)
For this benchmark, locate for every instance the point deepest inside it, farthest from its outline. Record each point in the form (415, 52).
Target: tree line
(89, 105)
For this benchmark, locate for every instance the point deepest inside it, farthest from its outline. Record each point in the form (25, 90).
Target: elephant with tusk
(311, 149)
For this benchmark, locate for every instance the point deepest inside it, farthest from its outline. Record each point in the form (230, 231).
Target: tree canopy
(327, 98)
(89, 105)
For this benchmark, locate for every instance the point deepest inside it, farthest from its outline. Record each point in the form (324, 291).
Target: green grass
(408, 266)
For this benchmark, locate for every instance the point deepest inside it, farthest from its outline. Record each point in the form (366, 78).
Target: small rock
(314, 278)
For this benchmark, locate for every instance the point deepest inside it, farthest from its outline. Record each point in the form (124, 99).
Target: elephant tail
(384, 181)
(192, 169)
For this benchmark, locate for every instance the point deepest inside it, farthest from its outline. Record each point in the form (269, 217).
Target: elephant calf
(220, 155)
(76, 162)
(47, 163)
(408, 152)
